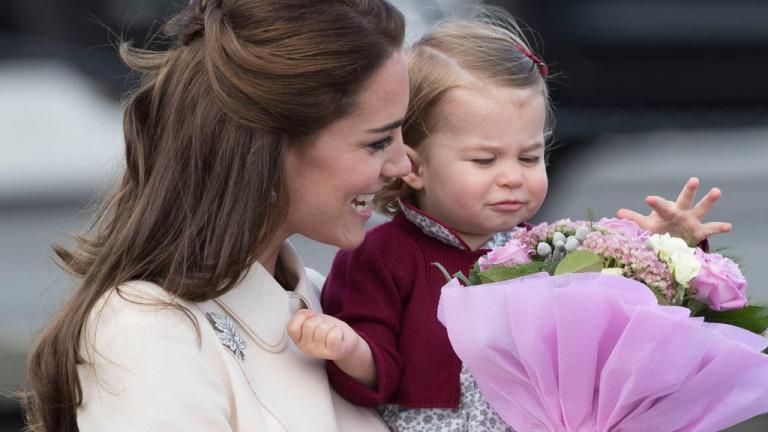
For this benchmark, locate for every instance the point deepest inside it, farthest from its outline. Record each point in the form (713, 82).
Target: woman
(263, 119)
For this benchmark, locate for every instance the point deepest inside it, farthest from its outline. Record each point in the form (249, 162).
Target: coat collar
(263, 307)
(433, 227)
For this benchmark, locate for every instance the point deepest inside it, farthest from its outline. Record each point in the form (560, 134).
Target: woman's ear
(414, 178)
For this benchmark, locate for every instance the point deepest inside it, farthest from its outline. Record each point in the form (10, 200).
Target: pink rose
(511, 254)
(720, 283)
(624, 227)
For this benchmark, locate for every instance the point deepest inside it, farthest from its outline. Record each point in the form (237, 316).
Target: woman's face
(332, 180)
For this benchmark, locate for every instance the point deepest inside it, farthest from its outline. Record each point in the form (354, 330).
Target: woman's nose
(398, 164)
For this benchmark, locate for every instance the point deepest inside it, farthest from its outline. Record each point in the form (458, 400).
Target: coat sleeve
(366, 289)
(146, 369)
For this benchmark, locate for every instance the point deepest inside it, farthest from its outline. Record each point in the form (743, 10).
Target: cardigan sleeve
(146, 370)
(365, 289)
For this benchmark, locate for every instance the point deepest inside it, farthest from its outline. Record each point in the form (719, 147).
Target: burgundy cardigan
(388, 291)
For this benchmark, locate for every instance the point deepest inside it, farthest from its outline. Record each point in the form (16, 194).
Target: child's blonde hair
(488, 47)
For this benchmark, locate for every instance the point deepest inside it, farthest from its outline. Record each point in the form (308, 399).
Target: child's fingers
(707, 202)
(630, 215)
(685, 199)
(296, 323)
(319, 336)
(712, 228)
(334, 341)
(666, 209)
(308, 329)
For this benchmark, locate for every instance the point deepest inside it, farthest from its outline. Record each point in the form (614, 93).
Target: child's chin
(506, 226)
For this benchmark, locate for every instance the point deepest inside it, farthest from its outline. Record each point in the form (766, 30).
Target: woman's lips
(363, 205)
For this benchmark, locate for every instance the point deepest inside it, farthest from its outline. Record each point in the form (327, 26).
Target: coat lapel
(292, 387)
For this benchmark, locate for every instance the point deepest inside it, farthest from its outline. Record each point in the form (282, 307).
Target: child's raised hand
(322, 336)
(680, 218)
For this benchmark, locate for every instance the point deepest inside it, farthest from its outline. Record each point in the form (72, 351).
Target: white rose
(667, 246)
(616, 271)
(685, 266)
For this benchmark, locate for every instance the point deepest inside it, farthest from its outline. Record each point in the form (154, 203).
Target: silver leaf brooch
(227, 333)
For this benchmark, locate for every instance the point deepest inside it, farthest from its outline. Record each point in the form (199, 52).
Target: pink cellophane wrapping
(590, 352)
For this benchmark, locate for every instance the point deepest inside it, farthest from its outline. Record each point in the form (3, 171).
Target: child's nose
(510, 177)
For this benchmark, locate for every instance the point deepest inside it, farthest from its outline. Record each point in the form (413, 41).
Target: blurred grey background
(647, 94)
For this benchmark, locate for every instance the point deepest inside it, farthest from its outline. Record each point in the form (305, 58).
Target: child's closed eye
(530, 160)
(484, 161)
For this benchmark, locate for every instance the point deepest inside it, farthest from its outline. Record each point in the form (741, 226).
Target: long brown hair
(487, 46)
(204, 192)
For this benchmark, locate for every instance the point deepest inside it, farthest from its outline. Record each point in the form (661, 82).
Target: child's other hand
(322, 336)
(680, 218)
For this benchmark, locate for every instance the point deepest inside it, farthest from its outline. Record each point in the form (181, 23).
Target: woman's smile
(363, 205)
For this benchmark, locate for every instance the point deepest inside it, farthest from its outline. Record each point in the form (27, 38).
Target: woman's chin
(350, 240)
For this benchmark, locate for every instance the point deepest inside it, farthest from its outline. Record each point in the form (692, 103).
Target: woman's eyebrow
(387, 127)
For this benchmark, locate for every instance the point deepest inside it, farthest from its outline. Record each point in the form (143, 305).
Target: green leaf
(580, 262)
(498, 274)
(661, 298)
(697, 308)
(679, 294)
(443, 271)
(473, 278)
(590, 215)
(460, 276)
(753, 318)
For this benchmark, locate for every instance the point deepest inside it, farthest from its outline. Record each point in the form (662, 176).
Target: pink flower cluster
(511, 254)
(637, 260)
(720, 283)
(620, 243)
(624, 227)
(624, 245)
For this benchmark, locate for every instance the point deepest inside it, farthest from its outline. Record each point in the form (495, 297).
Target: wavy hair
(204, 189)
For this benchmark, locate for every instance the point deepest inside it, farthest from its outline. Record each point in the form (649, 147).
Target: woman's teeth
(361, 202)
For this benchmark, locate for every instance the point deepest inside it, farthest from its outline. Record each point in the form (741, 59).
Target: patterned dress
(473, 414)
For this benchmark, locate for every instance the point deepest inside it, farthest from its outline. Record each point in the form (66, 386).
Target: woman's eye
(381, 145)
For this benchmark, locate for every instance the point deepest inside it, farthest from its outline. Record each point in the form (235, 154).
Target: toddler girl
(476, 130)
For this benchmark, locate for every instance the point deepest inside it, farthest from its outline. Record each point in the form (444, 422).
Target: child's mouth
(508, 205)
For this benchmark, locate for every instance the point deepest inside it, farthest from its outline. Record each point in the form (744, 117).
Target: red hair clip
(543, 68)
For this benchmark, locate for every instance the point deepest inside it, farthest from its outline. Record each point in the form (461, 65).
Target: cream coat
(147, 370)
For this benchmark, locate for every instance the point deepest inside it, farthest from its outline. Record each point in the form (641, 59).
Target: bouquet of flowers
(602, 326)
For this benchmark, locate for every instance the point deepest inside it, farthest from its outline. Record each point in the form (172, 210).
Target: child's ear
(413, 178)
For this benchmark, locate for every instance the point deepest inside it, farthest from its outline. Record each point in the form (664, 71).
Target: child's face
(482, 167)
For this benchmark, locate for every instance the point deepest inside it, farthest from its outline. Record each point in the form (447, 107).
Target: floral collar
(434, 228)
